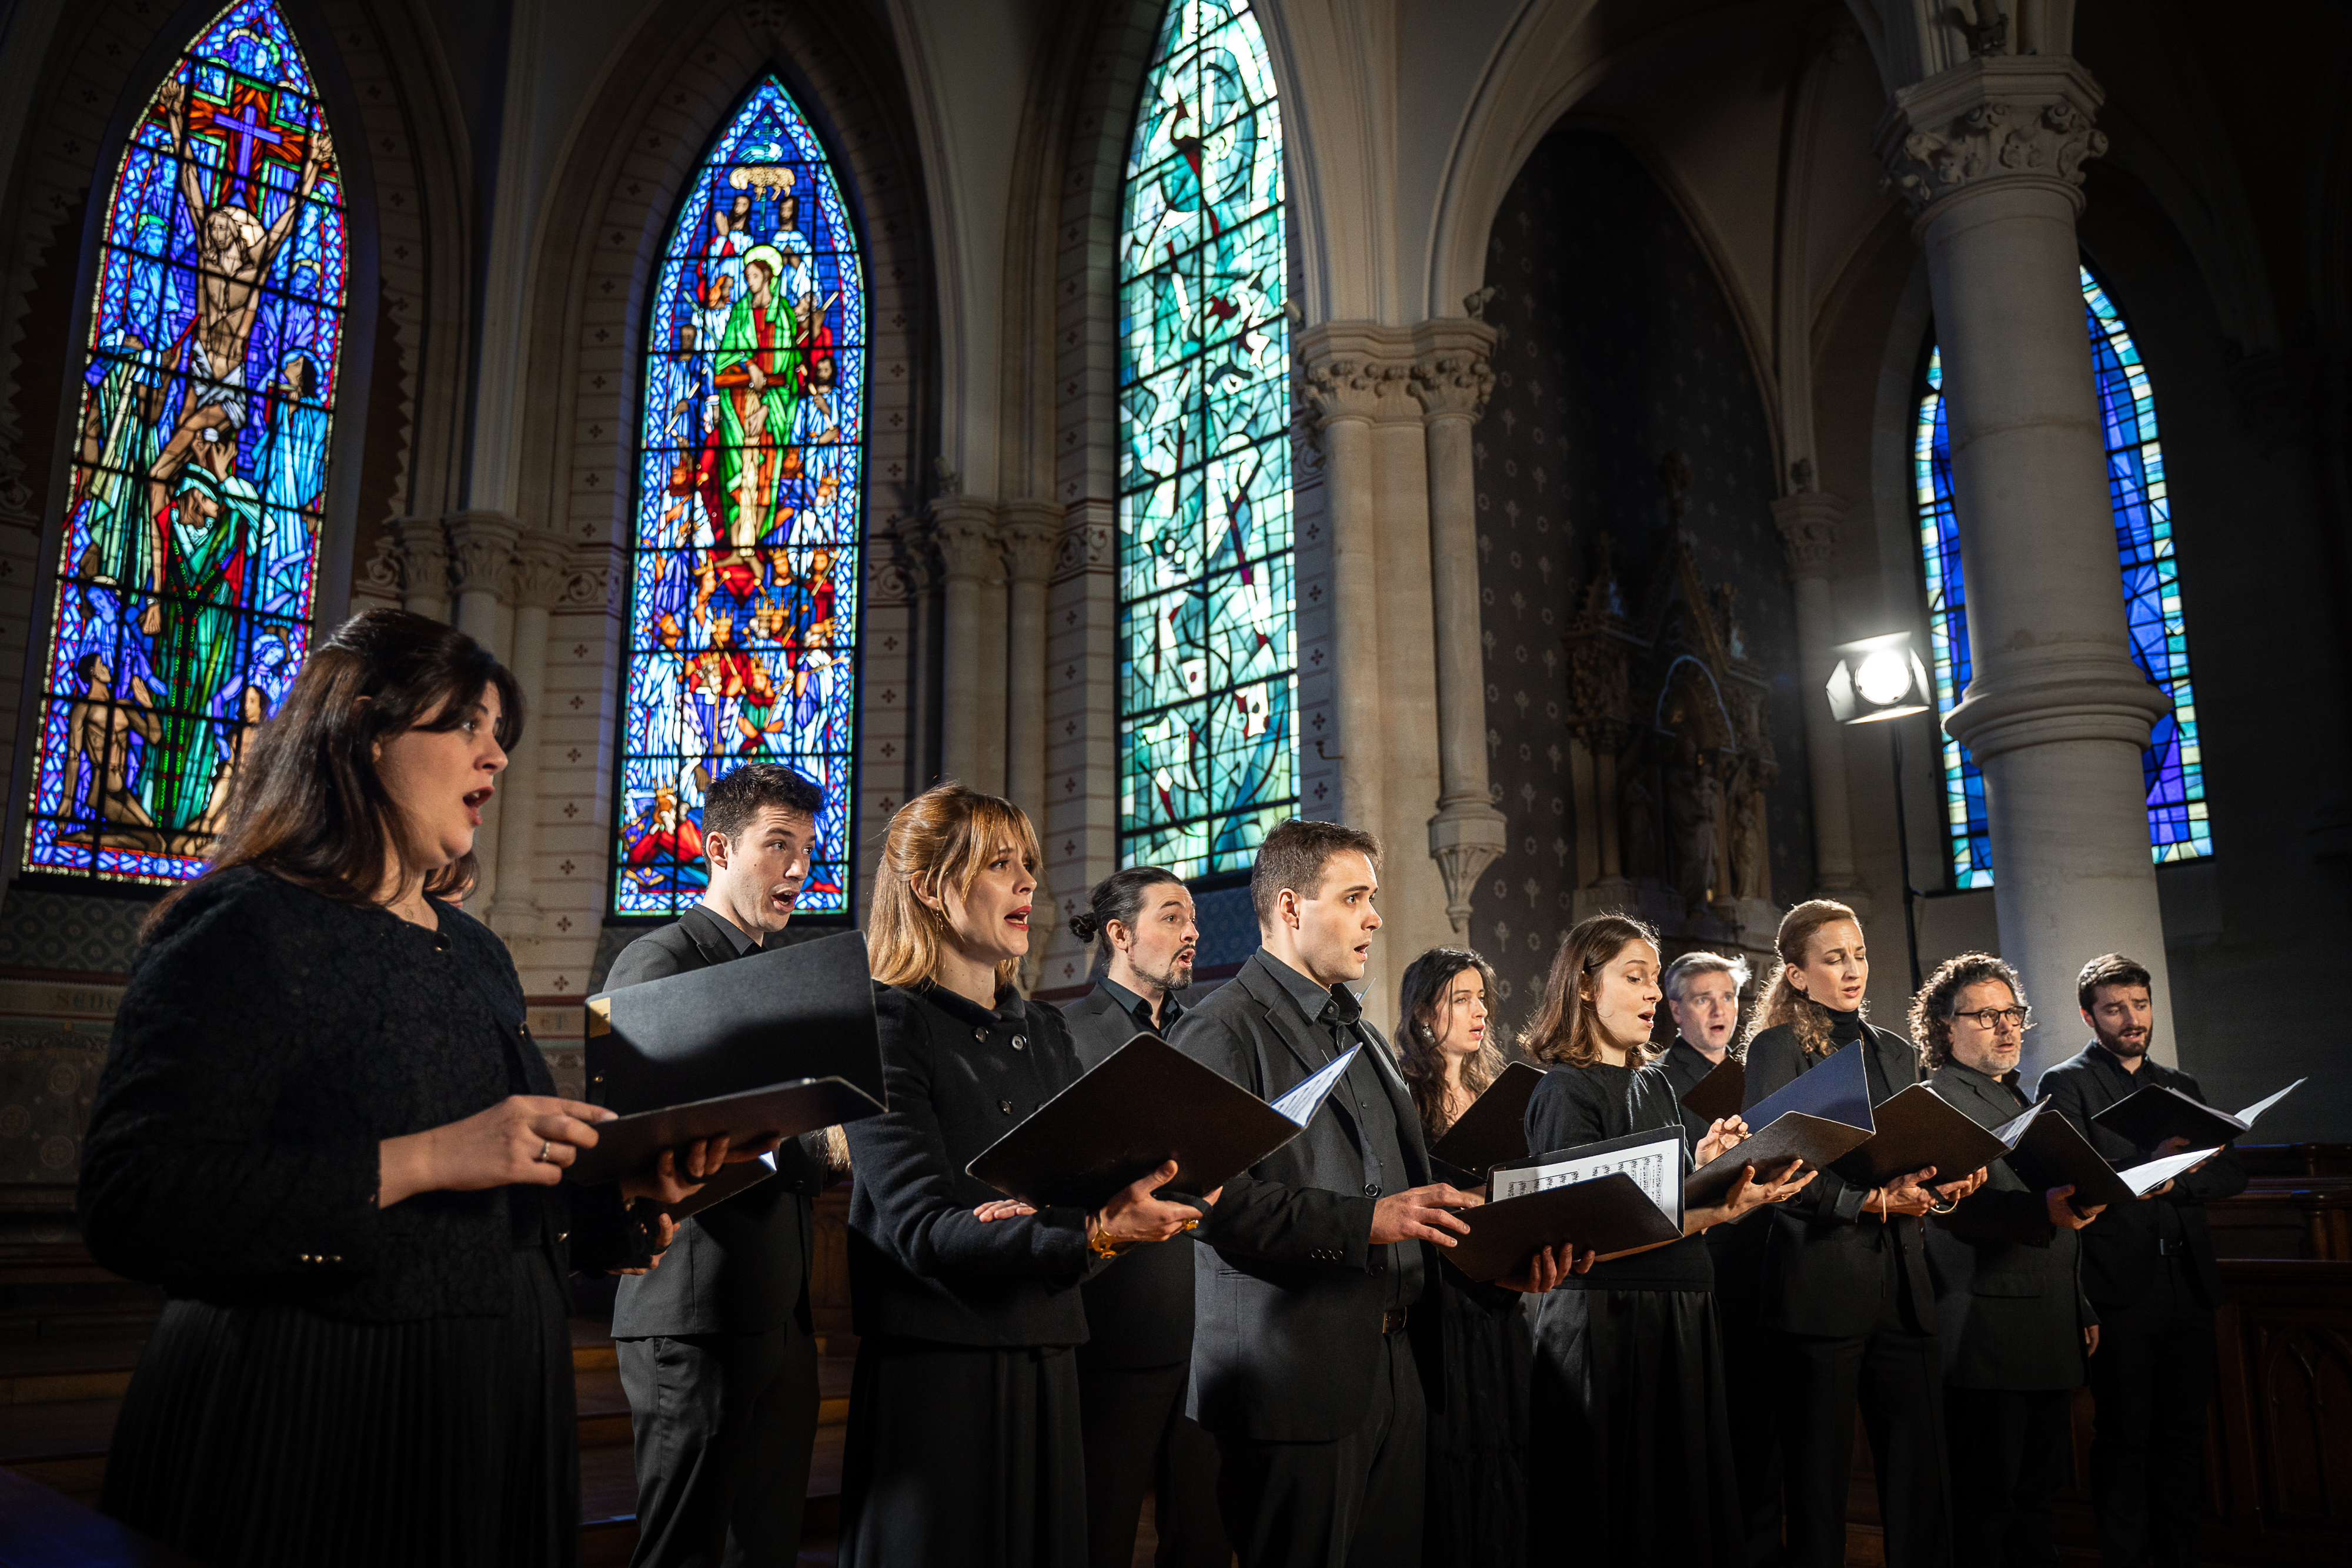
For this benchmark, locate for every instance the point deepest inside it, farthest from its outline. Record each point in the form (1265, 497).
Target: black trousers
(1751, 1384)
(724, 1425)
(1355, 1502)
(2010, 1445)
(1894, 1373)
(2152, 1378)
(1138, 1437)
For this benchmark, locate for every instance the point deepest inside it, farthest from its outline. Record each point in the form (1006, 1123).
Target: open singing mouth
(474, 799)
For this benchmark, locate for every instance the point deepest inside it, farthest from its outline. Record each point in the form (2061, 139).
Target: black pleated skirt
(1476, 1514)
(268, 1435)
(959, 1456)
(1629, 1449)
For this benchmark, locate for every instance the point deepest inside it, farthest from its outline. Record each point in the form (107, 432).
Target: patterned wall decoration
(744, 601)
(184, 572)
(1625, 413)
(48, 1080)
(46, 930)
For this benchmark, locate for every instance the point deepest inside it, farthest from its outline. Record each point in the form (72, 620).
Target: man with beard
(1139, 1352)
(715, 1348)
(2149, 1269)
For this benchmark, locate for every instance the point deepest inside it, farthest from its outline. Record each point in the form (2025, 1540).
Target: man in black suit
(1138, 1358)
(2011, 1315)
(716, 1351)
(2149, 1268)
(1315, 1258)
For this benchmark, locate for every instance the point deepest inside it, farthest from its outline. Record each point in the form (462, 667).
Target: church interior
(1496, 423)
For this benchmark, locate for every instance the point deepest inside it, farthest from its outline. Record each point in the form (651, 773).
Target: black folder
(1917, 1128)
(1720, 1093)
(1607, 1215)
(2045, 1151)
(1817, 1116)
(1143, 1105)
(2150, 1115)
(782, 1041)
(1495, 1128)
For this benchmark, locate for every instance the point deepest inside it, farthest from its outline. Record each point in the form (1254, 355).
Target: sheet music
(1655, 1167)
(2147, 1179)
(1301, 1103)
(2259, 1106)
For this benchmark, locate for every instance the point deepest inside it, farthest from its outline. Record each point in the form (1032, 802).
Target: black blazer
(1737, 1247)
(1821, 1262)
(740, 1265)
(1139, 1310)
(2009, 1308)
(960, 1077)
(2120, 1252)
(269, 1039)
(1288, 1293)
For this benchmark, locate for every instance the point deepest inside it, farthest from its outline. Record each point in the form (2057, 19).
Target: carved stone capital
(963, 532)
(1464, 839)
(483, 545)
(424, 555)
(1031, 532)
(385, 570)
(1356, 371)
(1453, 368)
(542, 568)
(1808, 522)
(1997, 120)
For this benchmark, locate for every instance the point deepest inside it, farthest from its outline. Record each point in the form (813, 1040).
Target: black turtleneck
(1847, 1028)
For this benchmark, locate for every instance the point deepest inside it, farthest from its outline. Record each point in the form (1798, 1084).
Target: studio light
(1879, 678)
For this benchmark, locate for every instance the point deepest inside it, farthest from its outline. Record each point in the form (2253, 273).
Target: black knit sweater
(270, 1038)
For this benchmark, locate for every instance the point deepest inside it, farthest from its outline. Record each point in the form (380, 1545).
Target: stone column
(482, 544)
(1808, 521)
(424, 567)
(964, 531)
(1989, 154)
(1031, 537)
(539, 571)
(1453, 378)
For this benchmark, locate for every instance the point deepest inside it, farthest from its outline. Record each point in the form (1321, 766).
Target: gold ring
(1192, 1225)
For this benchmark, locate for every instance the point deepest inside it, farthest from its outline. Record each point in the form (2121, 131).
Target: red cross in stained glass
(247, 124)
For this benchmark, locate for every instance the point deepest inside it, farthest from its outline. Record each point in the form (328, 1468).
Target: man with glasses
(2150, 1268)
(2011, 1317)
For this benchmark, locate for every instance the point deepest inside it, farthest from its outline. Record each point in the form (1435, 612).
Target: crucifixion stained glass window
(1208, 660)
(2173, 766)
(190, 541)
(742, 618)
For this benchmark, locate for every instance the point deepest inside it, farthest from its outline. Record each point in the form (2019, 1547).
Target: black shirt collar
(1692, 1060)
(1336, 1006)
(2006, 1080)
(1005, 1015)
(1137, 1009)
(737, 937)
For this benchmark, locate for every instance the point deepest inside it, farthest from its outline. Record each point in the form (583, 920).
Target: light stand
(1876, 679)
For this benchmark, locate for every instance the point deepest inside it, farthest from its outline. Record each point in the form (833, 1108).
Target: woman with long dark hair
(963, 1444)
(1477, 1510)
(325, 1130)
(1846, 1289)
(1626, 1418)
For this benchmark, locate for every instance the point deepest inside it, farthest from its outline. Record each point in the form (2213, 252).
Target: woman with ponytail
(964, 1444)
(1846, 1292)
(1626, 1418)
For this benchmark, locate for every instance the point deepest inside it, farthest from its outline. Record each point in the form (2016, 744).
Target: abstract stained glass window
(2172, 767)
(1208, 661)
(189, 542)
(744, 584)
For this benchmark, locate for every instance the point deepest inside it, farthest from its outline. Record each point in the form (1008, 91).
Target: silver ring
(544, 1145)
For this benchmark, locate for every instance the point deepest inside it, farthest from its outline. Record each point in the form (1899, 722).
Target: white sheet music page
(1655, 1167)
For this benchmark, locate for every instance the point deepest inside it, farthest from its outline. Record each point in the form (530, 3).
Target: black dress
(1477, 1510)
(1625, 1419)
(963, 1446)
(332, 1382)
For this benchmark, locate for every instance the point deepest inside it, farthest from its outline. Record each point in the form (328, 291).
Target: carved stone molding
(1356, 371)
(541, 571)
(588, 580)
(1031, 535)
(483, 545)
(1464, 839)
(1455, 384)
(1085, 540)
(1808, 522)
(1995, 120)
(424, 554)
(386, 569)
(964, 531)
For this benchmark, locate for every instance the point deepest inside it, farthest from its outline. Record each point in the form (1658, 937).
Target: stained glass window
(2172, 767)
(1208, 660)
(189, 542)
(743, 582)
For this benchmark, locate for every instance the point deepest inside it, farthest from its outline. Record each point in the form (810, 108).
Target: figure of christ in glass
(743, 581)
(188, 550)
(2172, 767)
(1208, 661)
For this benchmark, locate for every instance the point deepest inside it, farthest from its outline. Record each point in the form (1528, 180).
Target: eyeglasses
(1990, 1018)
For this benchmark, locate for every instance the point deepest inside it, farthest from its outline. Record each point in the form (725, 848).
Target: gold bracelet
(1100, 1248)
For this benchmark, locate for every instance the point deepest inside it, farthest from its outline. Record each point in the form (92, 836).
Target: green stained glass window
(2173, 766)
(1208, 659)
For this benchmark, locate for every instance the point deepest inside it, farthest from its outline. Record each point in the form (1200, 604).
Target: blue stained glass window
(743, 607)
(1208, 662)
(2173, 766)
(190, 545)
